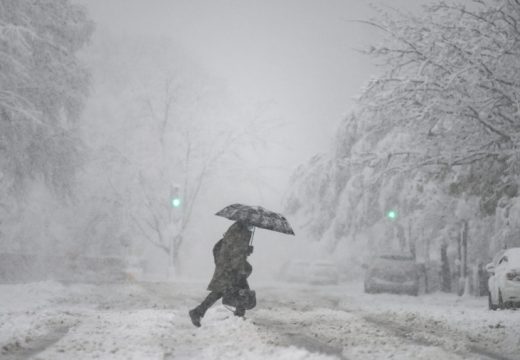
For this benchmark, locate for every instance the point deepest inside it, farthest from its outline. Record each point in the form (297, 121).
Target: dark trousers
(214, 296)
(208, 302)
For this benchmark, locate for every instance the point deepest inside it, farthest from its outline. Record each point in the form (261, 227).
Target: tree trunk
(463, 254)
(411, 242)
(174, 263)
(445, 269)
(465, 249)
(458, 264)
(482, 276)
(427, 244)
(401, 238)
(171, 272)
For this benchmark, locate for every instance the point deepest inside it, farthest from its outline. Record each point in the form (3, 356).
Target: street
(50, 320)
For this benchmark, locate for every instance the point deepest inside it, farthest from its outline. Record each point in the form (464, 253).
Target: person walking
(231, 270)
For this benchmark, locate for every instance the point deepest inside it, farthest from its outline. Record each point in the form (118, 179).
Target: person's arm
(216, 250)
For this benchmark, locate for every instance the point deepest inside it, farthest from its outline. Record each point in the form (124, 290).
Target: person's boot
(195, 317)
(240, 311)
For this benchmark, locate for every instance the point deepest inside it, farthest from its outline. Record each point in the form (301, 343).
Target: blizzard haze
(386, 132)
(295, 67)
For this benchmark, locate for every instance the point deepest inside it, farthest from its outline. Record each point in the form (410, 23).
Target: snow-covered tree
(159, 127)
(453, 80)
(435, 135)
(43, 87)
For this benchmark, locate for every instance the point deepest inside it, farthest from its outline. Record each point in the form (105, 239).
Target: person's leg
(209, 301)
(198, 313)
(239, 311)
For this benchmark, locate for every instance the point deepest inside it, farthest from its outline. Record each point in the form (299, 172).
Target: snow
(24, 312)
(101, 324)
(49, 320)
(459, 319)
(18, 297)
(226, 337)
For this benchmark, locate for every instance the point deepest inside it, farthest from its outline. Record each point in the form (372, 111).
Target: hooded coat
(231, 258)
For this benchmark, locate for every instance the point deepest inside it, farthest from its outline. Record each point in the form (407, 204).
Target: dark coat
(230, 254)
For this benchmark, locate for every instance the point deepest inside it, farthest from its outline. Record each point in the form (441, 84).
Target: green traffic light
(176, 202)
(392, 214)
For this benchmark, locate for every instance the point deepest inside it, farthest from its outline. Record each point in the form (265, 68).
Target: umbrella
(257, 216)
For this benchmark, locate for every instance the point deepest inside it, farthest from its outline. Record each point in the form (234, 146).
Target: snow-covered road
(149, 321)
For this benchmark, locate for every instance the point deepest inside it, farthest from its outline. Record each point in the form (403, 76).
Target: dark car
(397, 274)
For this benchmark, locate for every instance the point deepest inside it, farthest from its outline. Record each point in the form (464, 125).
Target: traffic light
(175, 196)
(176, 202)
(391, 214)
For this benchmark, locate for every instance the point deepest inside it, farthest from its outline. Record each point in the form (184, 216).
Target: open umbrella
(257, 216)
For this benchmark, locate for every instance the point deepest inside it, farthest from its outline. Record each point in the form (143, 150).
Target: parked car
(323, 273)
(504, 279)
(398, 274)
(294, 271)
(318, 272)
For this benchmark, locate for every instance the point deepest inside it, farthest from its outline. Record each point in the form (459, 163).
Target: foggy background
(386, 132)
(293, 67)
(218, 103)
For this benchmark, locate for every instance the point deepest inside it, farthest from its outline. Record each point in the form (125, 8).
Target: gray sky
(300, 55)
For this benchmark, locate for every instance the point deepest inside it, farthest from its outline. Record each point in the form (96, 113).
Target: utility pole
(175, 217)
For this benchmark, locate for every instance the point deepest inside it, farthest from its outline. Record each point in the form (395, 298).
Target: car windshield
(394, 270)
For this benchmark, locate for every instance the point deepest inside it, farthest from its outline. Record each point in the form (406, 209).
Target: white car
(504, 279)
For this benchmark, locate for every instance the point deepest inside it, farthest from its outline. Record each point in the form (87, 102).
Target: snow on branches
(42, 90)
(438, 131)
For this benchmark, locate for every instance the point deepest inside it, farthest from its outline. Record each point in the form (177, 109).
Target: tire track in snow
(292, 336)
(347, 334)
(433, 337)
(423, 333)
(379, 327)
(34, 346)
